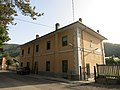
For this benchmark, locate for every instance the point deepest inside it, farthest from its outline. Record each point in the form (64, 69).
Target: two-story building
(69, 52)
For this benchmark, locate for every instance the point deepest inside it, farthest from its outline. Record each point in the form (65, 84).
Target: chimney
(98, 31)
(80, 20)
(37, 36)
(57, 25)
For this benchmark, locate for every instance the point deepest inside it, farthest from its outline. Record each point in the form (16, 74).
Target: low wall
(59, 75)
(108, 80)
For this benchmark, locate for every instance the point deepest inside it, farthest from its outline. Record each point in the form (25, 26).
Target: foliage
(11, 52)
(3, 35)
(112, 60)
(112, 53)
(9, 62)
(8, 10)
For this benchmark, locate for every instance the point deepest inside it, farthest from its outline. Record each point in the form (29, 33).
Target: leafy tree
(8, 10)
(110, 60)
(9, 62)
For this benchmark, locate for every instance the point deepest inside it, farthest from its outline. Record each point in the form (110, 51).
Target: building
(4, 63)
(69, 52)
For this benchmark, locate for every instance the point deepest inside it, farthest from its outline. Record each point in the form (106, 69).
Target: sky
(102, 15)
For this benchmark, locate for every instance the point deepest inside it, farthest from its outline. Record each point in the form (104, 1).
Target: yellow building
(4, 63)
(69, 52)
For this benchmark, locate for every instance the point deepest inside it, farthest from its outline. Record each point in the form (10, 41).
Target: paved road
(12, 81)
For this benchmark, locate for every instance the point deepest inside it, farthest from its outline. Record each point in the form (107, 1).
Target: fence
(108, 70)
(107, 73)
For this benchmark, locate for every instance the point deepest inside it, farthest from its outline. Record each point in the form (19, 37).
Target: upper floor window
(91, 43)
(48, 45)
(37, 48)
(29, 50)
(22, 52)
(64, 41)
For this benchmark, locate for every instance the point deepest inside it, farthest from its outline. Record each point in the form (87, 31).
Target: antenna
(73, 9)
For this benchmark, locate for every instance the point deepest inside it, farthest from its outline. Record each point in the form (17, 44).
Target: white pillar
(77, 51)
(103, 53)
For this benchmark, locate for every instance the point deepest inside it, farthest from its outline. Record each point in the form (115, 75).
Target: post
(95, 74)
(80, 73)
(97, 71)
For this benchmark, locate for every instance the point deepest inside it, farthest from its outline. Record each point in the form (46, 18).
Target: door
(28, 64)
(88, 70)
(65, 68)
(36, 68)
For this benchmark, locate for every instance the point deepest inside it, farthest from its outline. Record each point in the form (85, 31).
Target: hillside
(12, 49)
(112, 49)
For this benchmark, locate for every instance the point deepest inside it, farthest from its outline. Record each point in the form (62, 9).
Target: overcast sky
(102, 15)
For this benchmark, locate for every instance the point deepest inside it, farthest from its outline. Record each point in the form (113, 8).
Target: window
(48, 45)
(29, 50)
(22, 52)
(47, 65)
(91, 43)
(37, 48)
(64, 41)
(21, 65)
(64, 66)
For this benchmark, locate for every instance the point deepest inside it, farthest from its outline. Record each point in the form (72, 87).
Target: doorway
(88, 70)
(36, 67)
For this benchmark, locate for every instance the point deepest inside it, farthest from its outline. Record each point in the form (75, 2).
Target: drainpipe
(33, 58)
(56, 47)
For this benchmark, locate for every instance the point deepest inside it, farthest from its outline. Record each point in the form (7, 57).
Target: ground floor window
(65, 66)
(47, 65)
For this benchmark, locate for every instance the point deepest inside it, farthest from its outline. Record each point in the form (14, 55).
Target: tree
(110, 60)
(8, 10)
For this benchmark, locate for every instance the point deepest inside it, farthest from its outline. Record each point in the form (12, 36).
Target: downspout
(54, 54)
(57, 25)
(33, 59)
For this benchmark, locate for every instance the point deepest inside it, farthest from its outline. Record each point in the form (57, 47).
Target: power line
(33, 23)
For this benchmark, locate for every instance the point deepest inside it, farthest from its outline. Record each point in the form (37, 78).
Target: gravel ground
(94, 86)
